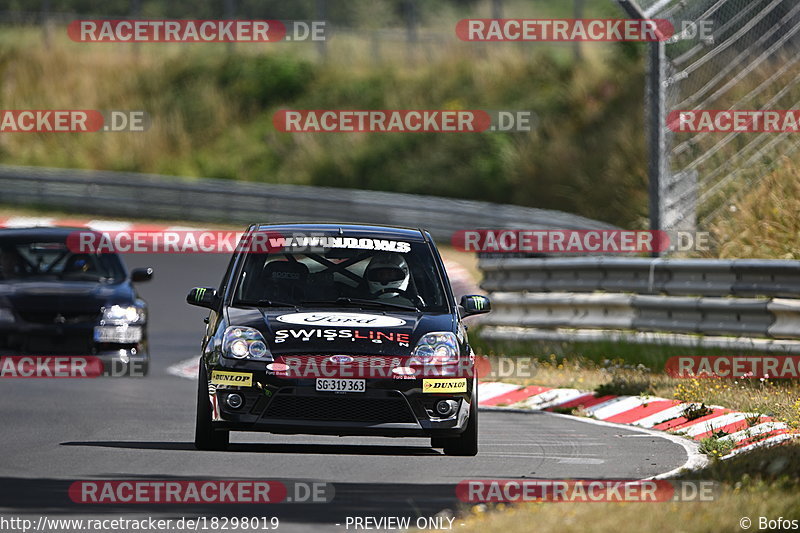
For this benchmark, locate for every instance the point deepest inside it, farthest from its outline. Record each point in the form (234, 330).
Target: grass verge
(763, 483)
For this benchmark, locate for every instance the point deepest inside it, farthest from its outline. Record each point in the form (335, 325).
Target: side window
(437, 275)
(424, 276)
(226, 278)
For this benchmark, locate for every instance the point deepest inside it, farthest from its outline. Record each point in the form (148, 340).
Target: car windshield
(43, 260)
(405, 280)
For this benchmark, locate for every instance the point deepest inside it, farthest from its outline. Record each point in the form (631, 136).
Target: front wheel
(465, 444)
(205, 436)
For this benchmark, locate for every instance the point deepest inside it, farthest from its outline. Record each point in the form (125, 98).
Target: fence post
(577, 13)
(230, 14)
(321, 13)
(656, 103)
(411, 28)
(656, 115)
(46, 28)
(136, 13)
(497, 9)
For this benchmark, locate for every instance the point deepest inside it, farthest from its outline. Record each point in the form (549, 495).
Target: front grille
(340, 409)
(59, 317)
(258, 404)
(68, 344)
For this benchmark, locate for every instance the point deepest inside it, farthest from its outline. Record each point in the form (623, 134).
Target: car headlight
(118, 315)
(6, 315)
(436, 348)
(245, 343)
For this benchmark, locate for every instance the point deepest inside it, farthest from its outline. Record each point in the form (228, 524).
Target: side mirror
(141, 274)
(202, 297)
(475, 304)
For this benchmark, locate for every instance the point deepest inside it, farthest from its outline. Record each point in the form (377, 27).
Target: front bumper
(388, 407)
(23, 338)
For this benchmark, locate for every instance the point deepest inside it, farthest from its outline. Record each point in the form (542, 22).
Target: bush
(715, 447)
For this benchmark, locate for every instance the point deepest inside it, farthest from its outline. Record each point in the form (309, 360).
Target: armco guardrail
(674, 277)
(733, 304)
(218, 200)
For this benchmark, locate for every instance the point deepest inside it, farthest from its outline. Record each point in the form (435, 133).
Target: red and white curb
(745, 430)
(187, 368)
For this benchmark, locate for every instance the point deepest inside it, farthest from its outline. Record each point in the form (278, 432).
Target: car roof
(39, 232)
(348, 230)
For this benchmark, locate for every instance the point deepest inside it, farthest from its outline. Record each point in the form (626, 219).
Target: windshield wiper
(360, 302)
(381, 303)
(264, 303)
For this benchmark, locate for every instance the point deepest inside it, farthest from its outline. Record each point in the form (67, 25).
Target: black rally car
(337, 330)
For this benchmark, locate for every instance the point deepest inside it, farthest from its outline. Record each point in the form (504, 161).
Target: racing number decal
(444, 385)
(231, 378)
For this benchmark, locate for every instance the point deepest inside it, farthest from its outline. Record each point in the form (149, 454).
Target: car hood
(350, 331)
(63, 296)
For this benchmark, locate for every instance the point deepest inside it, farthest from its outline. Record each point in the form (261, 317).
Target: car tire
(205, 436)
(465, 444)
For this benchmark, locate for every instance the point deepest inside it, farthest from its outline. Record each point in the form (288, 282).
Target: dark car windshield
(404, 278)
(42, 260)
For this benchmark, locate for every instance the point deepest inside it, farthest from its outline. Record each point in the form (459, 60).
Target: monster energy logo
(477, 301)
(199, 295)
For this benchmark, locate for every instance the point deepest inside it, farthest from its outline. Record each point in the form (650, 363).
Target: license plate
(119, 334)
(341, 385)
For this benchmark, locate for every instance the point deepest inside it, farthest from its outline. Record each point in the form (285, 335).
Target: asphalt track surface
(56, 431)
